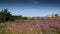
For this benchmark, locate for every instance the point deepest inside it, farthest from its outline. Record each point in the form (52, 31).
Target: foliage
(24, 18)
(57, 29)
(43, 31)
(5, 15)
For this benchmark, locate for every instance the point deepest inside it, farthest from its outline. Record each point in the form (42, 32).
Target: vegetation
(20, 24)
(57, 29)
(5, 16)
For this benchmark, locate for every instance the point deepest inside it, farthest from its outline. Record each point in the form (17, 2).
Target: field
(31, 27)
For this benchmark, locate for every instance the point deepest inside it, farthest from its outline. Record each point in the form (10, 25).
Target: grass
(4, 29)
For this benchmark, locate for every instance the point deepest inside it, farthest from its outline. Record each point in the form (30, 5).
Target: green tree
(56, 15)
(5, 15)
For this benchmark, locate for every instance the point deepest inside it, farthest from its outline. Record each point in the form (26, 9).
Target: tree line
(5, 16)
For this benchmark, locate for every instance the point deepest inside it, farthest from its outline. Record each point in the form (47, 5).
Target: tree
(5, 15)
(56, 15)
(25, 18)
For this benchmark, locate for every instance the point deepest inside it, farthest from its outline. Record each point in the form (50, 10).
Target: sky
(32, 8)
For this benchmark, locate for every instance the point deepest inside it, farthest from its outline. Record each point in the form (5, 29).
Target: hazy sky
(31, 7)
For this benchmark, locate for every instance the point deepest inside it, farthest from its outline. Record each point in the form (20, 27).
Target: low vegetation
(13, 24)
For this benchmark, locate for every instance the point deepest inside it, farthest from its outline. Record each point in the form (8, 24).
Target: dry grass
(26, 27)
(18, 28)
